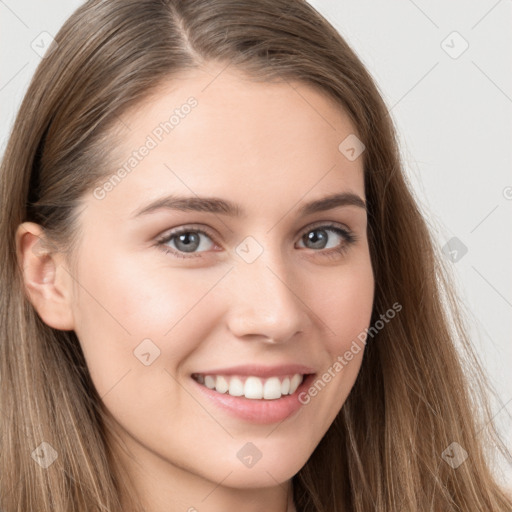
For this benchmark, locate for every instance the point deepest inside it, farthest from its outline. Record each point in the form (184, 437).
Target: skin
(269, 148)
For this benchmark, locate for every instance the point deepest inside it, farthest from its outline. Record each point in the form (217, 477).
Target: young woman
(218, 292)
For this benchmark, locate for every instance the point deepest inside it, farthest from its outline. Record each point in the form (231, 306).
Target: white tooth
(221, 384)
(295, 382)
(253, 388)
(236, 387)
(285, 386)
(209, 381)
(272, 388)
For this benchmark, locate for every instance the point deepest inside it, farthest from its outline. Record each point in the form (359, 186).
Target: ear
(48, 283)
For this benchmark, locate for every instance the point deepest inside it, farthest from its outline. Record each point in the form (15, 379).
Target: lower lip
(258, 411)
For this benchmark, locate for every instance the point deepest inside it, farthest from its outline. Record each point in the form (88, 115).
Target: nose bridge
(264, 300)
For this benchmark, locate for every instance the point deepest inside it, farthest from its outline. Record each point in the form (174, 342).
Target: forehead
(216, 132)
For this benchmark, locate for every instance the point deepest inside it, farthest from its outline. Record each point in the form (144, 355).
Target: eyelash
(349, 236)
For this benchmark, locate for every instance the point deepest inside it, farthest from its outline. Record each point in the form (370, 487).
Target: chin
(277, 468)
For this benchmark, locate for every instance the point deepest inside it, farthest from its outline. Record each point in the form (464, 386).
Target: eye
(189, 241)
(319, 238)
(186, 240)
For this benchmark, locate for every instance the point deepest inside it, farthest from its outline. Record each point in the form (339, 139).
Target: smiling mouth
(252, 387)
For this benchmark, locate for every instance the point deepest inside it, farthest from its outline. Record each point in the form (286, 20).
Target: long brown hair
(412, 397)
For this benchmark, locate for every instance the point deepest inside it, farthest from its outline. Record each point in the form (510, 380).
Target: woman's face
(245, 301)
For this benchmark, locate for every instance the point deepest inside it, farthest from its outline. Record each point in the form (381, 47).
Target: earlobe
(47, 282)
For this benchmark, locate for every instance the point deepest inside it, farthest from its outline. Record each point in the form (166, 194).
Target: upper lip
(260, 371)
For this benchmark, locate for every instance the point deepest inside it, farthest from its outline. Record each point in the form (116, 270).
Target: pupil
(312, 237)
(185, 239)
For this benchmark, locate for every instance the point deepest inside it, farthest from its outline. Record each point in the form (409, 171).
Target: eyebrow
(224, 207)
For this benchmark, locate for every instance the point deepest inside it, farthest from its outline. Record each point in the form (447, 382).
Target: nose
(265, 301)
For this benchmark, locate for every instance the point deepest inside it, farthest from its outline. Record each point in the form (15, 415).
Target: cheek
(345, 304)
(125, 310)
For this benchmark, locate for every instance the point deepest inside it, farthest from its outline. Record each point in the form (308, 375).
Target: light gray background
(453, 114)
